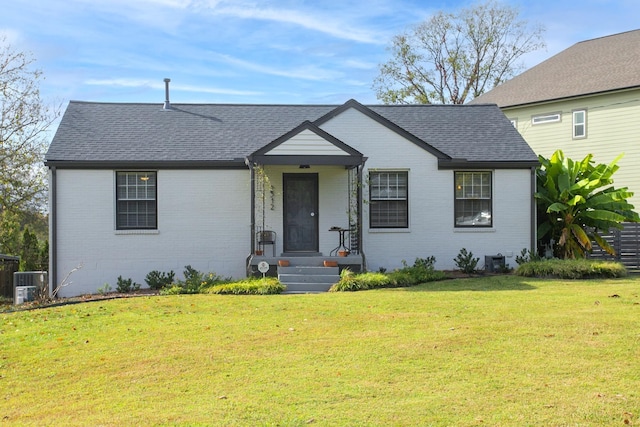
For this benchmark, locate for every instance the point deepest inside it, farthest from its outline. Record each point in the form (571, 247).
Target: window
(136, 206)
(580, 124)
(545, 118)
(388, 200)
(473, 199)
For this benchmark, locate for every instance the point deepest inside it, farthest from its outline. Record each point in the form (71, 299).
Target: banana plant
(577, 204)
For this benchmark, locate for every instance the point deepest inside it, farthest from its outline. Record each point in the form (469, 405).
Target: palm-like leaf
(579, 200)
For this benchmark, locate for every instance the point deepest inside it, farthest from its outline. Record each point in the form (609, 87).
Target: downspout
(534, 213)
(252, 175)
(53, 230)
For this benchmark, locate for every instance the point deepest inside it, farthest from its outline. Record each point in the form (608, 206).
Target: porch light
(144, 178)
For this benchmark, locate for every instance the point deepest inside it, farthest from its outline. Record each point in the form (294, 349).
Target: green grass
(499, 350)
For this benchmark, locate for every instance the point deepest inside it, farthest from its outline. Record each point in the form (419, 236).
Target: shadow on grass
(481, 284)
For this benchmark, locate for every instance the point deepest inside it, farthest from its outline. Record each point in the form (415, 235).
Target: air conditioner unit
(24, 294)
(27, 280)
(30, 278)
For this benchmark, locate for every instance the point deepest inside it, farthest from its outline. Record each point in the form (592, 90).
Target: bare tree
(24, 120)
(455, 57)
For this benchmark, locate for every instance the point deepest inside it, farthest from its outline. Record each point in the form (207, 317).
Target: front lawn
(495, 350)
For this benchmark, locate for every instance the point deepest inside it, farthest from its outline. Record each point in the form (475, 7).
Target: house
(585, 99)
(142, 187)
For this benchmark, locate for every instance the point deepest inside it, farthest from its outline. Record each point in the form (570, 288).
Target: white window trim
(125, 231)
(584, 124)
(543, 119)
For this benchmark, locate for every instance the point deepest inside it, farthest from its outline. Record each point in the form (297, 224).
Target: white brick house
(139, 187)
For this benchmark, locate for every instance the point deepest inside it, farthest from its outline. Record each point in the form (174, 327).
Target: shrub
(571, 269)
(412, 276)
(350, 281)
(126, 285)
(425, 263)
(194, 282)
(250, 286)
(466, 262)
(527, 256)
(158, 280)
(422, 271)
(104, 289)
(174, 289)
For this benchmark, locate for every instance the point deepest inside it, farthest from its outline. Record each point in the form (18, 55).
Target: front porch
(306, 273)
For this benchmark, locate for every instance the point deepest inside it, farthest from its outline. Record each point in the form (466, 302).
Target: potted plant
(330, 263)
(259, 252)
(283, 262)
(343, 253)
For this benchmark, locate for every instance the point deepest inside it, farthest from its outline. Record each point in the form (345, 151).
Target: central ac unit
(30, 278)
(24, 294)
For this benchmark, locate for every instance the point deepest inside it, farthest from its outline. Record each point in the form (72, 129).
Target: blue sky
(237, 51)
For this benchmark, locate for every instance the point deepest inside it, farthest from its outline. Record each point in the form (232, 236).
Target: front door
(300, 194)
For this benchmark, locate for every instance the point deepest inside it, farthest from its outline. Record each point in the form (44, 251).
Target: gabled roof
(604, 64)
(223, 135)
(338, 152)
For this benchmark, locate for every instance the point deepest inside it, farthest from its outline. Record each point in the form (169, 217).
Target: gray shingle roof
(117, 132)
(592, 66)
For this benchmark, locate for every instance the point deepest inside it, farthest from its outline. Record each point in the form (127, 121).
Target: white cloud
(160, 86)
(309, 72)
(311, 21)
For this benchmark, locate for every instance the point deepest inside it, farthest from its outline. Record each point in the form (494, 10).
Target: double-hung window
(473, 199)
(136, 201)
(388, 199)
(580, 124)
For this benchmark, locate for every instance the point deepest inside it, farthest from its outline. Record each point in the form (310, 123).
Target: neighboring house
(585, 99)
(142, 187)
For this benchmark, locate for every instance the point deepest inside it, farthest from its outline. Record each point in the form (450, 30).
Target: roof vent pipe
(167, 104)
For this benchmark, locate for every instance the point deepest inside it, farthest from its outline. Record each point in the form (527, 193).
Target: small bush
(350, 281)
(126, 285)
(571, 269)
(158, 280)
(412, 276)
(527, 256)
(251, 286)
(172, 290)
(425, 263)
(422, 271)
(194, 282)
(466, 262)
(104, 289)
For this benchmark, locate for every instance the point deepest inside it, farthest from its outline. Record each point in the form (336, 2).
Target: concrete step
(301, 279)
(306, 287)
(308, 270)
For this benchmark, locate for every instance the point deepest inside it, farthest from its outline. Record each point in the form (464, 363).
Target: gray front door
(300, 194)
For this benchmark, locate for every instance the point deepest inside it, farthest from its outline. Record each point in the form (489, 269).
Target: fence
(8, 266)
(626, 243)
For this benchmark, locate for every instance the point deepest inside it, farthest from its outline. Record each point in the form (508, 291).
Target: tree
(24, 121)
(577, 202)
(30, 254)
(454, 57)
